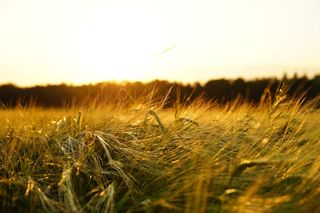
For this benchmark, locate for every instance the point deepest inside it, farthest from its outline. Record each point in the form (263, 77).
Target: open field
(143, 158)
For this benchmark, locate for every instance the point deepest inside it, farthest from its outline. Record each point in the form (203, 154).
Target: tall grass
(143, 158)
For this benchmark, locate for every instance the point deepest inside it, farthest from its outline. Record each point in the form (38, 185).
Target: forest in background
(219, 90)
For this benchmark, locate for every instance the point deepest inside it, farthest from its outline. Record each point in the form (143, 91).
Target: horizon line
(120, 82)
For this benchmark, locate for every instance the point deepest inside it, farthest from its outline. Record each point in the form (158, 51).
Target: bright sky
(78, 41)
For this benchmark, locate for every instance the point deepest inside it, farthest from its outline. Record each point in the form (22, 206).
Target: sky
(78, 41)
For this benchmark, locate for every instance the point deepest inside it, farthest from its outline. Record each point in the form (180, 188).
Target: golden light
(119, 46)
(93, 41)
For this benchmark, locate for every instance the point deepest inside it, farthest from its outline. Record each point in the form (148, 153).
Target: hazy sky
(77, 41)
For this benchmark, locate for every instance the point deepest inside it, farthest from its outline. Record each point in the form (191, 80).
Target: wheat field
(201, 157)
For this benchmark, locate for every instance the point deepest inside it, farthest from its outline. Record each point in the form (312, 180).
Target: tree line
(219, 90)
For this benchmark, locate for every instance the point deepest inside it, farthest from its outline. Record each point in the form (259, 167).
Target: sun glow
(119, 46)
(78, 41)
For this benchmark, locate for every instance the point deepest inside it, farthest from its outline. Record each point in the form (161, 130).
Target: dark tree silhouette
(220, 90)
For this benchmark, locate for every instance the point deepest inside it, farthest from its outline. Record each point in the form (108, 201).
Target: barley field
(201, 157)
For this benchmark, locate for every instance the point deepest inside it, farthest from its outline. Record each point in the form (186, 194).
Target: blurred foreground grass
(196, 158)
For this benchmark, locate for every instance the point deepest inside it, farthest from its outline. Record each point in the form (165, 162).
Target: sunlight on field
(196, 158)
